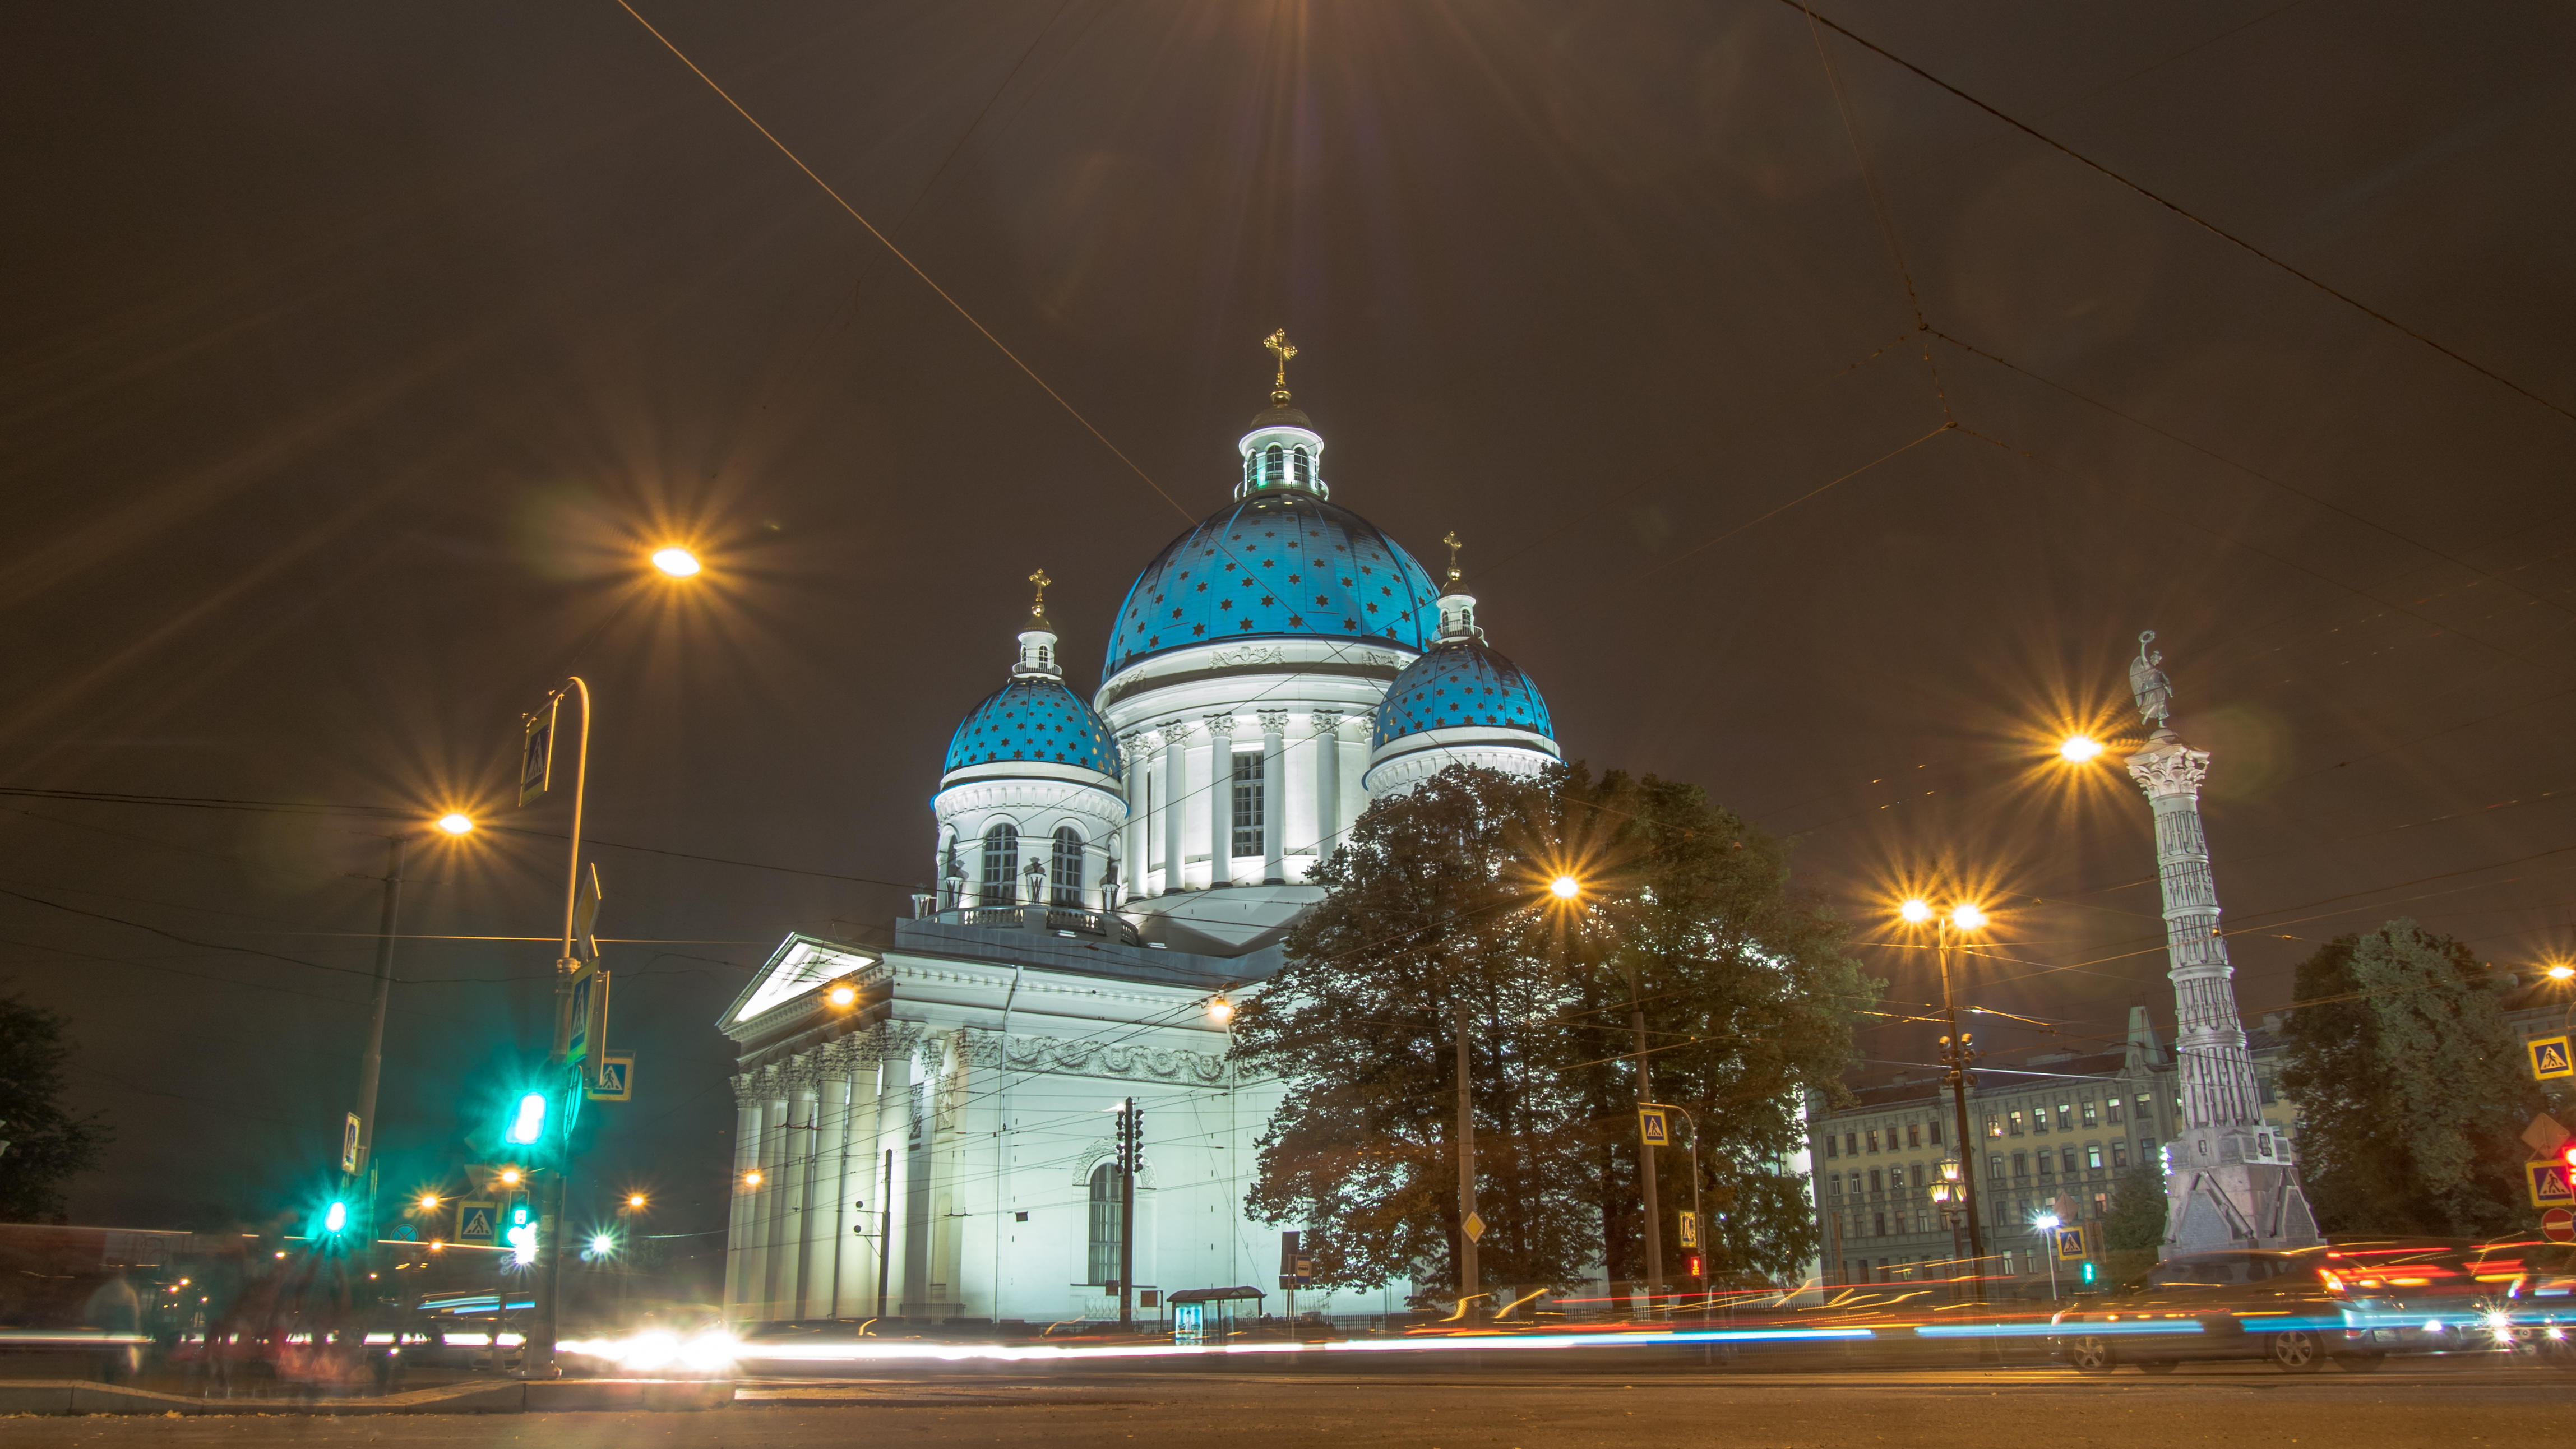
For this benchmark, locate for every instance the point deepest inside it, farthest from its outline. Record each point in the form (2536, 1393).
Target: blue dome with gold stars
(1460, 684)
(1275, 564)
(1035, 719)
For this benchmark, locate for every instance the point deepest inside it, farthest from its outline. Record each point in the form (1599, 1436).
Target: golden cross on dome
(1281, 348)
(1451, 538)
(1037, 610)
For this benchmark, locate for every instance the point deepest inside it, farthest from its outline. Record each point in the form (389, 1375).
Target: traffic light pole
(1127, 1212)
(537, 1354)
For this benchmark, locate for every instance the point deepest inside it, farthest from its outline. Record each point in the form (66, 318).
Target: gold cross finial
(1037, 610)
(1451, 538)
(1281, 348)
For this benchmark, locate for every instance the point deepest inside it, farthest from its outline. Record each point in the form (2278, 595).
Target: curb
(41, 1396)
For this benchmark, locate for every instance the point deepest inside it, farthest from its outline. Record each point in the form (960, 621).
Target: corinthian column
(1274, 794)
(1175, 794)
(1220, 728)
(1328, 782)
(2229, 1180)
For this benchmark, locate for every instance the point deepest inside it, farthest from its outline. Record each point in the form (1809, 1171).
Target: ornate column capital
(1274, 721)
(2168, 768)
(1327, 721)
(1221, 724)
(1175, 731)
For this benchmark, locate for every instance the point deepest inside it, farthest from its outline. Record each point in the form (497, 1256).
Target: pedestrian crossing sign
(478, 1223)
(2549, 1185)
(1654, 1127)
(2550, 1058)
(616, 1081)
(2070, 1245)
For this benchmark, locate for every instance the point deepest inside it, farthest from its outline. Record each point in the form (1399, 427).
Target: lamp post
(371, 1059)
(1958, 1054)
(2047, 1225)
(537, 1355)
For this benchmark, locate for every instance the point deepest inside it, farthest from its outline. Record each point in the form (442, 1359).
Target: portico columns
(1274, 794)
(825, 1209)
(1220, 728)
(742, 1262)
(854, 1293)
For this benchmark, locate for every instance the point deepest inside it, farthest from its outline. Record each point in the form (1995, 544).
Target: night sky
(355, 356)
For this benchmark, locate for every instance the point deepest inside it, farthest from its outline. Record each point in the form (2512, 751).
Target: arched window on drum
(1273, 465)
(1102, 1265)
(1065, 877)
(1001, 882)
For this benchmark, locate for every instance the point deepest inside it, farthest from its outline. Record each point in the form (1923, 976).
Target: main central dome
(1275, 564)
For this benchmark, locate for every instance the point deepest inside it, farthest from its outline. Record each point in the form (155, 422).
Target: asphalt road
(1500, 1408)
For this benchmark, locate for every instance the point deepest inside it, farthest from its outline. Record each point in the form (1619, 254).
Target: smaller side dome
(1036, 720)
(1461, 703)
(1462, 684)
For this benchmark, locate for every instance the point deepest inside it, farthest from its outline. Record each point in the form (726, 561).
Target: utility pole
(371, 1062)
(885, 1232)
(1646, 1154)
(1127, 1156)
(1470, 1227)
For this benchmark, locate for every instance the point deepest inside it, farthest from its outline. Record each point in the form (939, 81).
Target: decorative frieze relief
(1077, 1057)
(1249, 654)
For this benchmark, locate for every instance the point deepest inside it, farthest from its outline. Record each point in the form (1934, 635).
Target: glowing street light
(510, 1176)
(1916, 911)
(678, 562)
(635, 1200)
(1968, 918)
(2078, 749)
(843, 995)
(429, 1202)
(751, 1178)
(456, 822)
(603, 1245)
(1565, 887)
(1220, 1010)
(2560, 971)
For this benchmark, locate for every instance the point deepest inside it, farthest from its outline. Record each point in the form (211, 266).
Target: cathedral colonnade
(1271, 791)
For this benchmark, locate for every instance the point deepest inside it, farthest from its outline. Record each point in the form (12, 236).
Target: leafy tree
(1428, 909)
(1440, 897)
(2137, 1219)
(46, 1143)
(2410, 1085)
(1745, 997)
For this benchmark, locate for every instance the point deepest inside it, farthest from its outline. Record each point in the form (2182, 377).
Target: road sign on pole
(537, 750)
(616, 1082)
(2558, 1225)
(478, 1222)
(589, 1015)
(1688, 1235)
(2549, 1186)
(585, 913)
(2070, 1245)
(2550, 1058)
(349, 1135)
(1654, 1127)
(1473, 1227)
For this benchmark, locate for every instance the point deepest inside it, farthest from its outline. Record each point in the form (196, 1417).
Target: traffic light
(1690, 1266)
(2091, 1274)
(2567, 1154)
(335, 1218)
(527, 1120)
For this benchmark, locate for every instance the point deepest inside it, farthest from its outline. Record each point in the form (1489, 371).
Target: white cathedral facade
(927, 1131)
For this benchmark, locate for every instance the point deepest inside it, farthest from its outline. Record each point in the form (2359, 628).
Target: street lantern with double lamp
(1958, 1054)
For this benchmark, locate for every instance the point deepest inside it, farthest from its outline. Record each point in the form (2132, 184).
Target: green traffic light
(335, 1217)
(528, 1123)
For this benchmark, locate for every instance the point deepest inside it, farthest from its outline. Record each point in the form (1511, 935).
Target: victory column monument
(2230, 1181)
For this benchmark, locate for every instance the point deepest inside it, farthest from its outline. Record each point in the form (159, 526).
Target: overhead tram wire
(1804, 8)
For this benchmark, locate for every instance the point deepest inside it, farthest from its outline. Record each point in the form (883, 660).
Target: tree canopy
(2411, 1087)
(1440, 900)
(47, 1144)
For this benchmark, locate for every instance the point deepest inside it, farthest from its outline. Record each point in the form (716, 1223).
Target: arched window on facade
(1272, 465)
(1001, 883)
(1065, 888)
(1105, 1184)
(1305, 469)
